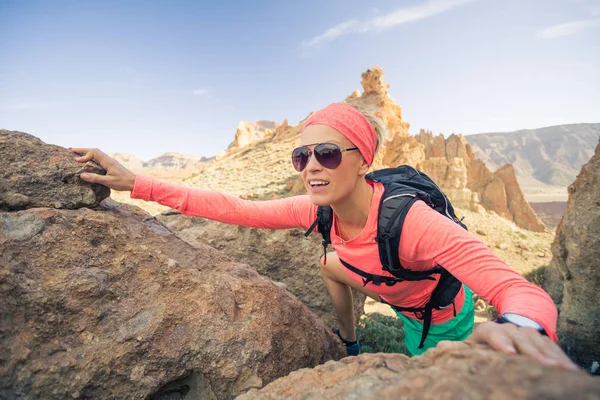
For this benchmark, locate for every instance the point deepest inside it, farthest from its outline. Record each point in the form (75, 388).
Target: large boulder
(35, 174)
(285, 256)
(573, 277)
(474, 373)
(108, 303)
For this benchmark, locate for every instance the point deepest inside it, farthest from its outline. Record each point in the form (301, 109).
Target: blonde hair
(369, 113)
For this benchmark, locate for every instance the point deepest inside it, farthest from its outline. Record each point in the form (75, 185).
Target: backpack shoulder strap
(392, 213)
(323, 222)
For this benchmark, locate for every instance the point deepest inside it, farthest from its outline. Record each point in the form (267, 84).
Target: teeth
(318, 183)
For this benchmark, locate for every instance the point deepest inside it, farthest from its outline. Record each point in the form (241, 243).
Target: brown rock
(573, 277)
(478, 175)
(249, 132)
(110, 304)
(472, 373)
(480, 232)
(282, 255)
(34, 174)
(400, 150)
(520, 210)
(493, 197)
(451, 163)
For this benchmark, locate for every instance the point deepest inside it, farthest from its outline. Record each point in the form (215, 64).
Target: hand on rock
(117, 176)
(511, 339)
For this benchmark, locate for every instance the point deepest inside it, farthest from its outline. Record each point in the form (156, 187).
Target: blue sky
(146, 77)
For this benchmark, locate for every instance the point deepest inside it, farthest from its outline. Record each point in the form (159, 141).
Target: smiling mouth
(316, 183)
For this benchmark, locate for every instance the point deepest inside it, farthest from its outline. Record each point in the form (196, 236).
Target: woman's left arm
(473, 263)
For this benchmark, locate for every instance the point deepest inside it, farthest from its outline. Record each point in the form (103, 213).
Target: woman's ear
(364, 167)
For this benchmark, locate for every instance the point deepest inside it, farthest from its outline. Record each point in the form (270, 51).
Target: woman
(338, 146)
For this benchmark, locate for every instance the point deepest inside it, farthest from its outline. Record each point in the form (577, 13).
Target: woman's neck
(353, 211)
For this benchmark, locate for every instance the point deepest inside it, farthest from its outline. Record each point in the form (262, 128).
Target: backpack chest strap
(375, 279)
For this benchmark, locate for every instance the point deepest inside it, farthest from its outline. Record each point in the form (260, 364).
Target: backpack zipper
(399, 195)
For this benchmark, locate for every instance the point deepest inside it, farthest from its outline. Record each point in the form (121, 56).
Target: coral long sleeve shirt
(428, 239)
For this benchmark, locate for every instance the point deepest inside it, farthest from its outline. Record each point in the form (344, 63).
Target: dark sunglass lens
(328, 155)
(300, 158)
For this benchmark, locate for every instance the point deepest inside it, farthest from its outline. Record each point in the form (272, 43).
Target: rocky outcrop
(573, 277)
(474, 373)
(447, 160)
(467, 181)
(35, 174)
(375, 97)
(284, 256)
(249, 132)
(108, 303)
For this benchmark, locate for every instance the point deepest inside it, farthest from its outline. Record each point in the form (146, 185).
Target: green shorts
(457, 329)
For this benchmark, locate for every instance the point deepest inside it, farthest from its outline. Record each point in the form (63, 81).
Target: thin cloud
(382, 22)
(415, 13)
(200, 92)
(333, 33)
(566, 29)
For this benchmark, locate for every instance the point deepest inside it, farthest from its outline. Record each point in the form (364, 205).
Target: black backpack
(403, 186)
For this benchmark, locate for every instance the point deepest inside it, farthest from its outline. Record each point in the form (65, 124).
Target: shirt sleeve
(428, 235)
(292, 212)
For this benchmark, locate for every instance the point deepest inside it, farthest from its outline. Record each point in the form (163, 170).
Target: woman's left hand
(511, 339)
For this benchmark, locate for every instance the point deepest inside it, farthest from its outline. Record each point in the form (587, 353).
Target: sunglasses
(329, 155)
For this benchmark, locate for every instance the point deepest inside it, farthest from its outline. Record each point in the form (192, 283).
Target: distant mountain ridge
(167, 161)
(552, 155)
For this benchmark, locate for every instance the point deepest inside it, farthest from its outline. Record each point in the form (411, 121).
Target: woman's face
(339, 182)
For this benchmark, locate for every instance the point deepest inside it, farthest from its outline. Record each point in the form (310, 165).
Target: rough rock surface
(573, 277)
(284, 256)
(249, 132)
(452, 164)
(110, 304)
(475, 373)
(35, 174)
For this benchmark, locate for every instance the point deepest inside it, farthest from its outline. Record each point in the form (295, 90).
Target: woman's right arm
(293, 212)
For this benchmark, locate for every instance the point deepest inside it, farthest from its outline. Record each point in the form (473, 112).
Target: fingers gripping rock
(36, 174)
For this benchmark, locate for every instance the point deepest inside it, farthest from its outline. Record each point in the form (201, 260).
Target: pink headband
(348, 121)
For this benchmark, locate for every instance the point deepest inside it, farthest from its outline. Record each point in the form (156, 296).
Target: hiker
(426, 276)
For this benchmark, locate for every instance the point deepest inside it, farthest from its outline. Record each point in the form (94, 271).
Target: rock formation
(249, 132)
(34, 174)
(448, 161)
(108, 303)
(573, 277)
(474, 373)
(284, 256)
